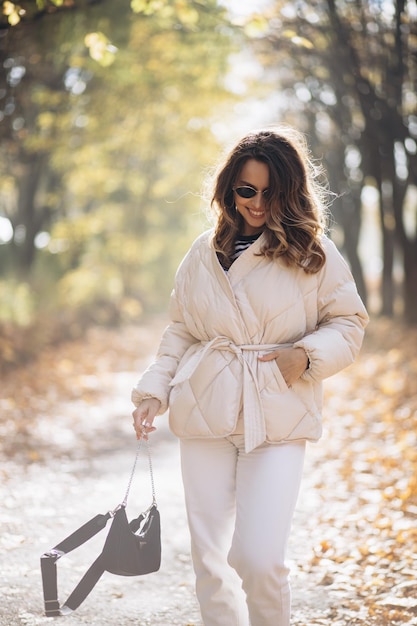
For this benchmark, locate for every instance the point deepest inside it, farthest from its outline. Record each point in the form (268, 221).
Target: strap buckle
(114, 511)
(52, 608)
(54, 553)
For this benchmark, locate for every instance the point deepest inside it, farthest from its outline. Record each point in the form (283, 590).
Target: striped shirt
(242, 243)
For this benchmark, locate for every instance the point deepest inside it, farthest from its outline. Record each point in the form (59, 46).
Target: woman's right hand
(143, 417)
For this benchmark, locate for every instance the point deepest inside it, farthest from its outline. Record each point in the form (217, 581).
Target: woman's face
(254, 176)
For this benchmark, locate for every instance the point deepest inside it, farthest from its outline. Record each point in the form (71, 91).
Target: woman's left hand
(292, 362)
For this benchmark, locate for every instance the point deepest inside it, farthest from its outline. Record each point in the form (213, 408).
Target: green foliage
(106, 151)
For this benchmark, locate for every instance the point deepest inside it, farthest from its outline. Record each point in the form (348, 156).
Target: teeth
(257, 213)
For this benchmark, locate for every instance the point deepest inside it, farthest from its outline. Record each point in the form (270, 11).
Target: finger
(269, 356)
(144, 434)
(143, 428)
(140, 413)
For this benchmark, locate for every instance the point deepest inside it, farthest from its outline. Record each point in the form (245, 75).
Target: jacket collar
(247, 261)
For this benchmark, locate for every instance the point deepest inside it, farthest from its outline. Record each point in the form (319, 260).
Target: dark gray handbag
(131, 549)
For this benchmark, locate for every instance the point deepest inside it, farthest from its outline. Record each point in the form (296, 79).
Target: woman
(264, 308)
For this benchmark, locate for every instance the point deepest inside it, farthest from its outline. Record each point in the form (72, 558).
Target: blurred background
(113, 113)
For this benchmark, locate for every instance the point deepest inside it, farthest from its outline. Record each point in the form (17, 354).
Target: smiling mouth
(257, 214)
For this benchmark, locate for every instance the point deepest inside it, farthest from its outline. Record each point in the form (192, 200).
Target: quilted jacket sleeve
(342, 319)
(154, 382)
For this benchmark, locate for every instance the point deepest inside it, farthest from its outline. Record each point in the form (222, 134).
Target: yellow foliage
(84, 286)
(16, 302)
(187, 14)
(148, 7)
(13, 12)
(46, 120)
(100, 48)
(256, 26)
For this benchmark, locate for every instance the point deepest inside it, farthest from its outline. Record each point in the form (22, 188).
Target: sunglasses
(249, 192)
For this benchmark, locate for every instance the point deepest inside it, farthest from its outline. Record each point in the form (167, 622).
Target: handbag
(131, 549)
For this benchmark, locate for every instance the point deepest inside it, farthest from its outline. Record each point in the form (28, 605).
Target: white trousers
(240, 508)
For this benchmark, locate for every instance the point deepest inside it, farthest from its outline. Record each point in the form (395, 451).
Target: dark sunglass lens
(245, 192)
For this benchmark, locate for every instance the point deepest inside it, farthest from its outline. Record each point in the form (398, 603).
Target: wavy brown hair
(295, 206)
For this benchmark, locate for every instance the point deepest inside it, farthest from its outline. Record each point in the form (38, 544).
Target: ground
(68, 447)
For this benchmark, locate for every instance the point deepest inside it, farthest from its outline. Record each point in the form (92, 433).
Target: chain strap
(148, 447)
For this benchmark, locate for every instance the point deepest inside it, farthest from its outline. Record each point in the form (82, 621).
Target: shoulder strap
(49, 559)
(76, 539)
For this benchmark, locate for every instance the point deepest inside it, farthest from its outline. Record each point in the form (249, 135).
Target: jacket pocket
(290, 412)
(207, 403)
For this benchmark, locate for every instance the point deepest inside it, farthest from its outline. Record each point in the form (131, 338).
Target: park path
(68, 447)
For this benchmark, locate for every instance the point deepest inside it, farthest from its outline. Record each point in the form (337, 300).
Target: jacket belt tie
(253, 416)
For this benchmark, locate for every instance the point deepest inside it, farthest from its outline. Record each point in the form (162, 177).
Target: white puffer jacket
(207, 370)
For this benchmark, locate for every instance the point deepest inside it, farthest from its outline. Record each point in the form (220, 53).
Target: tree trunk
(28, 220)
(346, 210)
(388, 247)
(408, 245)
(410, 284)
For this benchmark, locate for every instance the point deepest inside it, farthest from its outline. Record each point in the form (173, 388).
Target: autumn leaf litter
(67, 448)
